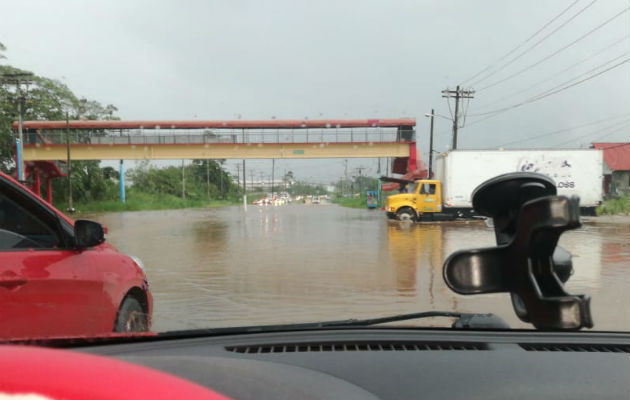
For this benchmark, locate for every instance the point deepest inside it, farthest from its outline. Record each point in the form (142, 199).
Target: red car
(58, 277)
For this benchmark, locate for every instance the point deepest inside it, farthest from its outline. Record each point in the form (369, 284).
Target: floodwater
(300, 263)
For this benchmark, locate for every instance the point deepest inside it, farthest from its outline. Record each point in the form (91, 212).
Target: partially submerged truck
(448, 196)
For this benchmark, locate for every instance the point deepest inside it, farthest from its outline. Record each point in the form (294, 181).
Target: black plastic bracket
(528, 219)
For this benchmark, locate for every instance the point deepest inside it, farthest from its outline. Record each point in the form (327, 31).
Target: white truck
(576, 173)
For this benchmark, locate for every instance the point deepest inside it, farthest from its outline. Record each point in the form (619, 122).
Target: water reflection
(227, 267)
(415, 249)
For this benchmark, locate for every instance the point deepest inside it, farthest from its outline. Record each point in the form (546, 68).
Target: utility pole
(431, 145)
(273, 174)
(345, 174)
(183, 182)
(244, 180)
(238, 176)
(221, 180)
(208, 178)
(458, 94)
(360, 169)
(19, 79)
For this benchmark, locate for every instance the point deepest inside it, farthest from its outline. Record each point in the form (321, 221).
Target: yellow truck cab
(415, 199)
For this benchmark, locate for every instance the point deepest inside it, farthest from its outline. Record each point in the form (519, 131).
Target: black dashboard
(394, 363)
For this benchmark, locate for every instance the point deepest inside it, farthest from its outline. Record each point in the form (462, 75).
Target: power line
(548, 93)
(593, 133)
(547, 134)
(557, 51)
(567, 82)
(522, 43)
(614, 147)
(530, 48)
(529, 87)
(609, 133)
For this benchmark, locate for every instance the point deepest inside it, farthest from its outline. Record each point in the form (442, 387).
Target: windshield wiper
(464, 320)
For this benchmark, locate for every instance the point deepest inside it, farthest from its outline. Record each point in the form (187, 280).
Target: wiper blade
(464, 320)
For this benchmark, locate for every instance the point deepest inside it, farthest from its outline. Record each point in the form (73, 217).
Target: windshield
(230, 155)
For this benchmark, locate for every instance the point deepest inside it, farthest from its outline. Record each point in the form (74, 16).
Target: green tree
(288, 179)
(50, 99)
(204, 180)
(305, 188)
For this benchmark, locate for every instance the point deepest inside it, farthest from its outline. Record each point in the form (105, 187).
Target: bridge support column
(49, 189)
(37, 182)
(121, 181)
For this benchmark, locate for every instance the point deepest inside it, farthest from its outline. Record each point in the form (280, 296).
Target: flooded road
(298, 263)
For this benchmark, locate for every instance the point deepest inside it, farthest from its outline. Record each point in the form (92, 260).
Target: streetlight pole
(429, 175)
(20, 142)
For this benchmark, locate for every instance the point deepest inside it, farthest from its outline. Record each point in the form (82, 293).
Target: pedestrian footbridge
(167, 140)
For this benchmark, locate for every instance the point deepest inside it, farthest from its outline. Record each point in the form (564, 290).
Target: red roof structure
(616, 155)
(201, 124)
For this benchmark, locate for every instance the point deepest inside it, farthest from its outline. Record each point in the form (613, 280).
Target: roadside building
(616, 167)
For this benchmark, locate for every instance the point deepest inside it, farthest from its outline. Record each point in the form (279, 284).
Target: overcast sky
(337, 59)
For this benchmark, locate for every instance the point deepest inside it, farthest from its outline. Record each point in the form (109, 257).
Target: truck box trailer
(576, 173)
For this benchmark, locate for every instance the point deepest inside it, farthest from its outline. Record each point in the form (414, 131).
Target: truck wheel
(131, 317)
(406, 214)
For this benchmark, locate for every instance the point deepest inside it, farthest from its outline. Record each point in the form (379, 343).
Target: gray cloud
(346, 59)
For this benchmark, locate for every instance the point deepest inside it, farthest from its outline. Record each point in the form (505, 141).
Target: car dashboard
(393, 363)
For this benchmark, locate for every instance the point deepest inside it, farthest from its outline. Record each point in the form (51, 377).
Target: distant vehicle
(576, 173)
(315, 200)
(58, 277)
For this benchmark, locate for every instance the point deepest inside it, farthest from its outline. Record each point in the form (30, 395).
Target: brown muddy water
(300, 263)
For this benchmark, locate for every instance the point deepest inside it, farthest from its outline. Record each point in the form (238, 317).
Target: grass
(351, 202)
(620, 205)
(143, 201)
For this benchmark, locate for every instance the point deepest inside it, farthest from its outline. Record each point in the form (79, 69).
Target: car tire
(406, 214)
(131, 317)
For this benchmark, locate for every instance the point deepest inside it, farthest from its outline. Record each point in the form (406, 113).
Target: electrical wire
(557, 51)
(593, 133)
(614, 147)
(521, 44)
(511, 61)
(552, 133)
(568, 82)
(608, 134)
(529, 87)
(548, 93)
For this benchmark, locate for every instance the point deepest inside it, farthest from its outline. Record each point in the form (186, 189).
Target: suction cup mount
(528, 220)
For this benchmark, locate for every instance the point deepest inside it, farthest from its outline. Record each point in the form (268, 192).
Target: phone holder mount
(528, 220)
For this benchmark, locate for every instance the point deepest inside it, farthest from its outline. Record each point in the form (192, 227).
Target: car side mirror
(88, 233)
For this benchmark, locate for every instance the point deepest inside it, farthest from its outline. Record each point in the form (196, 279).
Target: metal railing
(207, 136)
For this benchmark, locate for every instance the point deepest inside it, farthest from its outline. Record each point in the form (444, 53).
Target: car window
(427, 188)
(21, 229)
